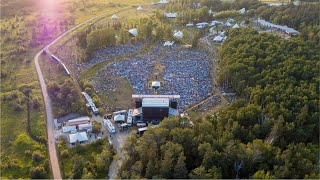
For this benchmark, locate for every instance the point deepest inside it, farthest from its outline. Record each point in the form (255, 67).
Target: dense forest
(269, 132)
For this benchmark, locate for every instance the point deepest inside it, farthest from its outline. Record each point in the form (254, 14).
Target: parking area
(117, 139)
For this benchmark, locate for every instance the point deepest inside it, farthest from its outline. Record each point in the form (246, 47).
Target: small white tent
(218, 39)
(228, 24)
(139, 8)
(236, 26)
(213, 23)
(119, 118)
(171, 15)
(114, 16)
(163, 2)
(80, 136)
(210, 12)
(168, 43)
(242, 11)
(155, 84)
(178, 35)
(189, 25)
(133, 32)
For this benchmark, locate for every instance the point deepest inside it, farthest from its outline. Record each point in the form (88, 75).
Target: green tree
(180, 170)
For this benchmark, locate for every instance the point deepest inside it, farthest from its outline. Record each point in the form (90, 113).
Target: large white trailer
(109, 126)
(85, 127)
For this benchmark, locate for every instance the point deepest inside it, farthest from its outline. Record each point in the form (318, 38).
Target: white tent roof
(119, 117)
(171, 15)
(163, 2)
(218, 38)
(210, 11)
(134, 32)
(168, 43)
(66, 129)
(155, 102)
(213, 23)
(155, 84)
(139, 8)
(178, 35)
(79, 136)
(228, 24)
(242, 11)
(202, 24)
(231, 20)
(189, 25)
(114, 16)
(236, 26)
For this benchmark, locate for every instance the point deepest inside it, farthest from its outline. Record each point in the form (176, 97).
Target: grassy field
(119, 99)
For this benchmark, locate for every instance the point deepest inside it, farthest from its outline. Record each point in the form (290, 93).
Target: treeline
(270, 132)
(277, 78)
(67, 97)
(305, 14)
(89, 161)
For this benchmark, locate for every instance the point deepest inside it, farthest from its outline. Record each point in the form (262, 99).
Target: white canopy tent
(242, 11)
(213, 23)
(114, 16)
(236, 26)
(171, 15)
(218, 39)
(168, 43)
(67, 129)
(163, 2)
(139, 8)
(189, 25)
(201, 25)
(133, 32)
(119, 118)
(228, 24)
(79, 136)
(155, 84)
(178, 35)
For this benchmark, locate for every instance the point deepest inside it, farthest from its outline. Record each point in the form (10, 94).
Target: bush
(36, 156)
(27, 152)
(64, 153)
(38, 172)
(35, 104)
(17, 107)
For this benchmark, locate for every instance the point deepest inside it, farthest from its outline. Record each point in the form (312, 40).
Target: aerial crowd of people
(186, 73)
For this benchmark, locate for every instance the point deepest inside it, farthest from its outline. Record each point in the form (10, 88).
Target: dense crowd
(186, 73)
(113, 51)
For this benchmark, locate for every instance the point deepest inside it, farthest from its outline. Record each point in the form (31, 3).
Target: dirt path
(50, 127)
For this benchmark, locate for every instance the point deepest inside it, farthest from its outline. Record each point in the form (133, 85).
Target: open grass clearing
(121, 97)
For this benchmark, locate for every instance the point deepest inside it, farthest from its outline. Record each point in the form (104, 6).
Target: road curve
(54, 161)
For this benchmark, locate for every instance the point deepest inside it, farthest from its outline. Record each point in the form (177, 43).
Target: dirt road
(50, 126)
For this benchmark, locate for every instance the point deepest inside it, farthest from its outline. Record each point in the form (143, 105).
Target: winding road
(54, 161)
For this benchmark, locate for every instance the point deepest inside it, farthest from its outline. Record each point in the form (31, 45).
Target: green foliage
(100, 38)
(38, 172)
(96, 127)
(89, 161)
(67, 97)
